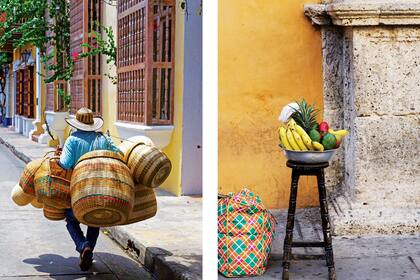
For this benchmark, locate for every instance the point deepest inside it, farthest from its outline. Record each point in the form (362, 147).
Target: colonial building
(157, 92)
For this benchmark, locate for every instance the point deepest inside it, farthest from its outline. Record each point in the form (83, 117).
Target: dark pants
(73, 227)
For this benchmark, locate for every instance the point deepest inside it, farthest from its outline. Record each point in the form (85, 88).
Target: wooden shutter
(145, 60)
(29, 94)
(19, 92)
(85, 85)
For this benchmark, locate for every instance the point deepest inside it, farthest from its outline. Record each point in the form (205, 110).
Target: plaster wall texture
(371, 85)
(269, 55)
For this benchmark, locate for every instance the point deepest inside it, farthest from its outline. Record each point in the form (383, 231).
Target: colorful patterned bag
(245, 232)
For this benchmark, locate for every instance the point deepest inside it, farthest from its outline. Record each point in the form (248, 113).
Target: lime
(315, 136)
(329, 141)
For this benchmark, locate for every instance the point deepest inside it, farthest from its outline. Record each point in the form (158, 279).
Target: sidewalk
(169, 245)
(366, 257)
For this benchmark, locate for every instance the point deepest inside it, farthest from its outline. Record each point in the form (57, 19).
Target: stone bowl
(309, 156)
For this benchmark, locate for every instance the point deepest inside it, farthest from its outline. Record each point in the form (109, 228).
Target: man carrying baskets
(80, 142)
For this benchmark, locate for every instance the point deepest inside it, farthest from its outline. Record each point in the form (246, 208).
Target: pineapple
(306, 115)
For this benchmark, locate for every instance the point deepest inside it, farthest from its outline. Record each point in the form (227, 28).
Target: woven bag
(102, 189)
(20, 197)
(245, 232)
(149, 166)
(54, 214)
(52, 184)
(145, 205)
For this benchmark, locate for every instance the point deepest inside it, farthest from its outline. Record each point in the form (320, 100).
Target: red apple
(323, 127)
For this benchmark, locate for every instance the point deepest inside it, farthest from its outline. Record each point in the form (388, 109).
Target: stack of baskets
(104, 188)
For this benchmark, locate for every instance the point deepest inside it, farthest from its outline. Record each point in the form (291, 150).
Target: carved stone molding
(357, 13)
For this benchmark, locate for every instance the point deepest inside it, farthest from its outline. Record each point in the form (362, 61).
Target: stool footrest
(308, 244)
(307, 257)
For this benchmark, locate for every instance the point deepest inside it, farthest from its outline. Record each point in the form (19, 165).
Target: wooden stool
(317, 170)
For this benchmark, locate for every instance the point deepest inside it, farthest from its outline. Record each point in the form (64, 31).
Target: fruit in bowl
(302, 132)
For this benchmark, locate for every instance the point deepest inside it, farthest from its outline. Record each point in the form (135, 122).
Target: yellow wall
(109, 98)
(174, 150)
(269, 55)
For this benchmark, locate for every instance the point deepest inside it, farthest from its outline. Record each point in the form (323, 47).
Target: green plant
(102, 45)
(4, 60)
(45, 25)
(66, 97)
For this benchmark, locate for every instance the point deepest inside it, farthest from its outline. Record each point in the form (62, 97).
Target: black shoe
(86, 258)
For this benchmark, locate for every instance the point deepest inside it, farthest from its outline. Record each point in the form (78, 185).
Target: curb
(161, 263)
(18, 154)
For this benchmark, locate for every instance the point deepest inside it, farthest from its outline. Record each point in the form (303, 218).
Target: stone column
(371, 52)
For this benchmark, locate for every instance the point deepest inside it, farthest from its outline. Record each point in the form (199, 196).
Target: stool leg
(287, 247)
(326, 229)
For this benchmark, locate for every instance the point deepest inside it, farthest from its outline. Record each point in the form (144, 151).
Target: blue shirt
(82, 142)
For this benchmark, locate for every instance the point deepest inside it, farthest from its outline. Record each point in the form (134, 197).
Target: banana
(291, 140)
(318, 146)
(341, 132)
(291, 124)
(283, 138)
(299, 141)
(305, 137)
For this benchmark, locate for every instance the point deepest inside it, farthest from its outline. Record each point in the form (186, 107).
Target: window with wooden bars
(145, 61)
(25, 95)
(85, 85)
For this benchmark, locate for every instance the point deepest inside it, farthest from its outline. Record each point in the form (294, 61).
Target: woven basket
(102, 189)
(145, 205)
(20, 197)
(52, 184)
(54, 214)
(126, 145)
(150, 167)
(37, 204)
(26, 180)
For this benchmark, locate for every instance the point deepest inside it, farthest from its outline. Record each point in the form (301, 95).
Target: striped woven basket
(26, 180)
(145, 205)
(126, 145)
(150, 167)
(20, 197)
(37, 204)
(102, 189)
(52, 184)
(54, 214)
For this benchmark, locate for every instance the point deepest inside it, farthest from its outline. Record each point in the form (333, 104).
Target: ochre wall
(269, 55)
(109, 98)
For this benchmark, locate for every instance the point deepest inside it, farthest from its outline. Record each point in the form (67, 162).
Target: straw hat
(85, 121)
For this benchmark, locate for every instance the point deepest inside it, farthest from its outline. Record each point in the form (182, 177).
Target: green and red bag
(245, 232)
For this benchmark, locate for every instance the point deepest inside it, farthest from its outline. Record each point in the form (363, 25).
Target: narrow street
(32, 247)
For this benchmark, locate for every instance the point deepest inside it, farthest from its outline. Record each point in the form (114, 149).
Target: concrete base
(44, 138)
(57, 124)
(28, 126)
(160, 135)
(19, 124)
